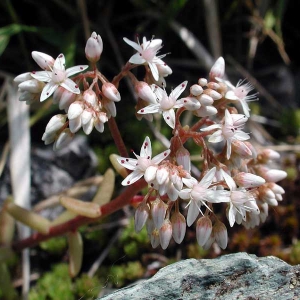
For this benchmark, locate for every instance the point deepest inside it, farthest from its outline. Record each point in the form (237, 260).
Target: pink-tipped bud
(178, 227)
(183, 158)
(94, 47)
(268, 154)
(45, 61)
(158, 212)
(165, 234)
(55, 123)
(220, 234)
(241, 149)
(277, 189)
(202, 82)
(145, 92)
(248, 180)
(203, 230)
(196, 90)
(218, 69)
(267, 196)
(141, 215)
(252, 149)
(90, 98)
(154, 238)
(75, 110)
(213, 85)
(110, 92)
(64, 138)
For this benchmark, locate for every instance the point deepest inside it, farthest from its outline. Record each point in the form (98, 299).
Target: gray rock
(233, 276)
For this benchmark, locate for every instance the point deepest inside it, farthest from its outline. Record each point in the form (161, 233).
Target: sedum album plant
(232, 174)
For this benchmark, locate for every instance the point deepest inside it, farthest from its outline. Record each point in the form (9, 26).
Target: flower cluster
(235, 175)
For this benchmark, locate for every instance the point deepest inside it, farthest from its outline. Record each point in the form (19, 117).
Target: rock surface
(234, 276)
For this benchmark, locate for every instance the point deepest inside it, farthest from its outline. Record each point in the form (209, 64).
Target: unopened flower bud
(183, 158)
(94, 47)
(75, 124)
(32, 86)
(275, 175)
(158, 212)
(213, 94)
(75, 110)
(220, 234)
(178, 227)
(75, 245)
(165, 234)
(218, 69)
(154, 238)
(196, 90)
(90, 98)
(206, 100)
(206, 111)
(213, 85)
(190, 103)
(45, 61)
(162, 175)
(141, 215)
(150, 173)
(203, 230)
(163, 69)
(248, 180)
(64, 138)
(55, 123)
(241, 149)
(202, 82)
(110, 92)
(145, 92)
(23, 77)
(66, 99)
(267, 155)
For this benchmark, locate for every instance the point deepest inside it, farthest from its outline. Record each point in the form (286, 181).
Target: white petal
(185, 194)
(169, 117)
(178, 90)
(154, 70)
(128, 163)
(76, 69)
(193, 213)
(216, 137)
(208, 178)
(146, 149)
(137, 59)
(48, 90)
(42, 75)
(71, 86)
(132, 177)
(160, 157)
(134, 45)
(150, 109)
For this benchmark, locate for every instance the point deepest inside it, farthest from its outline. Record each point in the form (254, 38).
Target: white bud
(23, 77)
(202, 82)
(220, 234)
(206, 111)
(65, 137)
(90, 98)
(203, 230)
(145, 92)
(218, 69)
(248, 180)
(55, 123)
(110, 92)
(94, 47)
(162, 175)
(196, 90)
(150, 173)
(165, 234)
(88, 127)
(183, 158)
(163, 69)
(275, 175)
(154, 238)
(75, 124)
(33, 86)
(141, 215)
(45, 61)
(178, 227)
(66, 99)
(206, 100)
(190, 103)
(158, 212)
(75, 110)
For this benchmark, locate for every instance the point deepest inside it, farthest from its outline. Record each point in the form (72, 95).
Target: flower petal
(178, 90)
(133, 44)
(48, 90)
(70, 85)
(169, 117)
(74, 70)
(42, 75)
(132, 177)
(160, 157)
(154, 70)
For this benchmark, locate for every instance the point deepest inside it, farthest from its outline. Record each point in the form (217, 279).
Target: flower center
(58, 76)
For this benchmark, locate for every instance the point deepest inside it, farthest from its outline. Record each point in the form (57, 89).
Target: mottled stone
(238, 276)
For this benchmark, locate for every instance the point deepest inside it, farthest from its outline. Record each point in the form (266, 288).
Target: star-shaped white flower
(58, 76)
(199, 193)
(141, 163)
(146, 54)
(240, 93)
(165, 104)
(229, 130)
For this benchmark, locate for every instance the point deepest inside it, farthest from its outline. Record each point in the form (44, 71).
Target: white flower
(146, 54)
(58, 76)
(240, 93)
(229, 130)
(166, 104)
(199, 193)
(142, 162)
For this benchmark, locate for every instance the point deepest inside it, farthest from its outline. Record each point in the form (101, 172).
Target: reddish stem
(107, 209)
